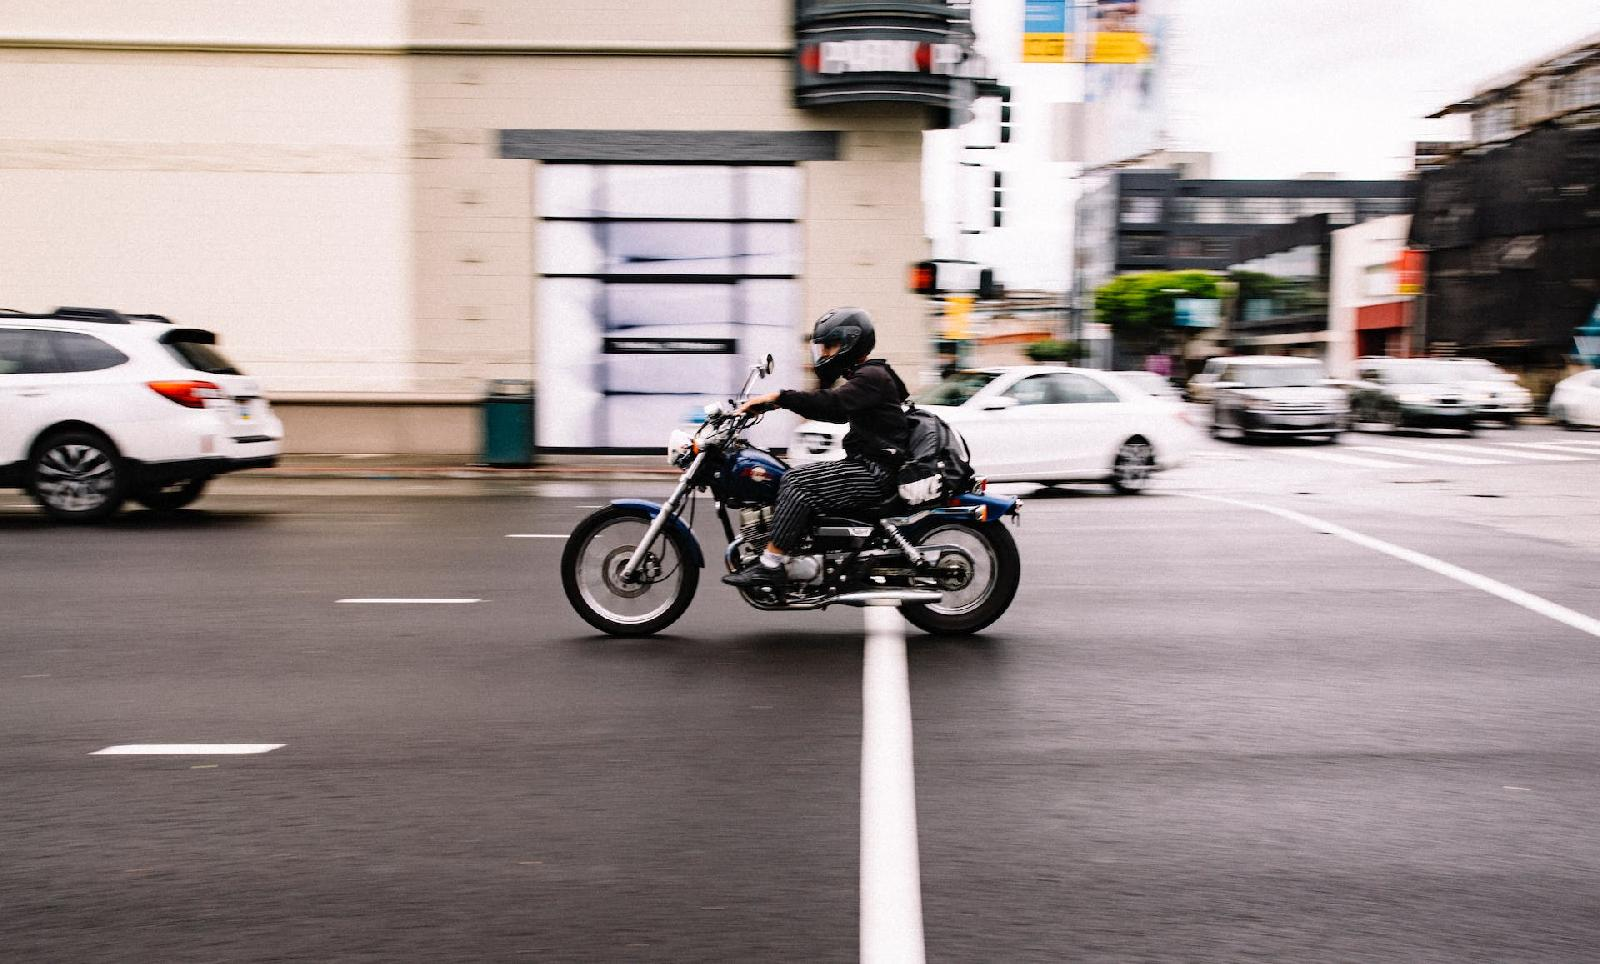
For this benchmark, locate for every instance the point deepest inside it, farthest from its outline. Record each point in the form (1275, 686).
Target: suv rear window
(202, 358)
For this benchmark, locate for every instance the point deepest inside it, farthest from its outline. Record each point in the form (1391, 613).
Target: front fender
(651, 508)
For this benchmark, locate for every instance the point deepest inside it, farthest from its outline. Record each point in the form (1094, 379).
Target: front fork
(668, 508)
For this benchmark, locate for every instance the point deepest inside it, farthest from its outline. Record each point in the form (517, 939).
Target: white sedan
(1044, 424)
(1576, 400)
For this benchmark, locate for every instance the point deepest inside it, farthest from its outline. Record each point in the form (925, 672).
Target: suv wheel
(75, 477)
(172, 496)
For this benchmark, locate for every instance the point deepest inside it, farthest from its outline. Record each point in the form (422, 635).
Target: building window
(1141, 210)
(1200, 210)
(1142, 246)
(658, 284)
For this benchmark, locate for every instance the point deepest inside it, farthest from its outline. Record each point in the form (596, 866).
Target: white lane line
(412, 602)
(1590, 449)
(1425, 456)
(1527, 600)
(891, 879)
(1502, 453)
(1347, 459)
(187, 749)
(536, 535)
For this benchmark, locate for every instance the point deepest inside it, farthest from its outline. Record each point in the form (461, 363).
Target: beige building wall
(261, 194)
(320, 180)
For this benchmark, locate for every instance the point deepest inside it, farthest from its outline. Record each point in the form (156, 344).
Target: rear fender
(653, 510)
(995, 507)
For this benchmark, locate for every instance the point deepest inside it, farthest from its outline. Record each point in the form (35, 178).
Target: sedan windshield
(1426, 373)
(956, 389)
(1281, 376)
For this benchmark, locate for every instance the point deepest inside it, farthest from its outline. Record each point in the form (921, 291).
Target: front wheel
(76, 477)
(591, 573)
(996, 570)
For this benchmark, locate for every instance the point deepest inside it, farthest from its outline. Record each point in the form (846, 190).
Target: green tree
(1142, 304)
(1051, 350)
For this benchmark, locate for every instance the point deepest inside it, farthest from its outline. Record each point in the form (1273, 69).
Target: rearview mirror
(766, 366)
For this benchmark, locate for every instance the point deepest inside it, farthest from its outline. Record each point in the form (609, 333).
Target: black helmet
(849, 328)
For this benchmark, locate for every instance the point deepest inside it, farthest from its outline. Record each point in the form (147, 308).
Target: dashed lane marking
(1591, 449)
(1527, 600)
(891, 879)
(187, 749)
(1346, 459)
(412, 602)
(1426, 456)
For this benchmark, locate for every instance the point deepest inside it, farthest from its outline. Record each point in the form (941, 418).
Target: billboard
(1096, 32)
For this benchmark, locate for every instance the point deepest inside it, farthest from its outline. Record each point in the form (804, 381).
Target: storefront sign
(1099, 32)
(670, 346)
(915, 52)
(1409, 272)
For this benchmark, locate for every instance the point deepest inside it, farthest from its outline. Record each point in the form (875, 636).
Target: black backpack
(937, 466)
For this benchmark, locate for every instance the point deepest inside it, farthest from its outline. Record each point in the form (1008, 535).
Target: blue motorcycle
(631, 568)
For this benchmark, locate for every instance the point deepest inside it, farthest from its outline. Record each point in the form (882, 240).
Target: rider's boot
(776, 571)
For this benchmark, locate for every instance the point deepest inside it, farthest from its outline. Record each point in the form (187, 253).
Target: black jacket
(871, 398)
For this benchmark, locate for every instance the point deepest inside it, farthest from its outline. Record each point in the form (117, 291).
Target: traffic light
(1005, 117)
(924, 278)
(988, 288)
(999, 198)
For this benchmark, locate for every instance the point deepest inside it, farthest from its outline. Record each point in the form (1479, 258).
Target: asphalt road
(1204, 732)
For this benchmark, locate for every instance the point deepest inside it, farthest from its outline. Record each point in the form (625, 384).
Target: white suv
(97, 407)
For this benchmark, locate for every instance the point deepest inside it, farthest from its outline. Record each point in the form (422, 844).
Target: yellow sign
(958, 317)
(1044, 48)
(1117, 47)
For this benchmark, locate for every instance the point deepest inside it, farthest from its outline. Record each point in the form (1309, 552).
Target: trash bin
(508, 422)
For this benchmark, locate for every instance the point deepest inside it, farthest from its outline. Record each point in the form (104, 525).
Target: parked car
(1045, 424)
(1413, 392)
(1262, 395)
(1575, 403)
(1199, 387)
(1157, 386)
(1503, 399)
(97, 407)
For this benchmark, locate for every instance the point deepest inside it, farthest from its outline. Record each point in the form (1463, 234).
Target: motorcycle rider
(871, 398)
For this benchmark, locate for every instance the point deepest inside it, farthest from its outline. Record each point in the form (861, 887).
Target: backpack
(937, 466)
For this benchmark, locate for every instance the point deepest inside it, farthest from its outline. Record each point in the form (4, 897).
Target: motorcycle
(632, 568)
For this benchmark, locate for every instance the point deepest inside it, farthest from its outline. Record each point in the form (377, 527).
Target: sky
(1273, 88)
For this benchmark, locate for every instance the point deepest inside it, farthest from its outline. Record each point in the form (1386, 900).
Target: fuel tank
(753, 477)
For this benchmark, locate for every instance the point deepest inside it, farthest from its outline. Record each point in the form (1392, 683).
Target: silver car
(1269, 395)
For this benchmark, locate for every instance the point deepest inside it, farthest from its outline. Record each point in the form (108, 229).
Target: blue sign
(1587, 340)
(1197, 313)
(1044, 16)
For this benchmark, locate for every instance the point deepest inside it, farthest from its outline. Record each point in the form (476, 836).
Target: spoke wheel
(996, 570)
(172, 496)
(1132, 467)
(592, 567)
(75, 477)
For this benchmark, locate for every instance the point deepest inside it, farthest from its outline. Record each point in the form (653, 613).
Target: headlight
(679, 444)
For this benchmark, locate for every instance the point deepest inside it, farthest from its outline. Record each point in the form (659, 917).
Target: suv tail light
(187, 394)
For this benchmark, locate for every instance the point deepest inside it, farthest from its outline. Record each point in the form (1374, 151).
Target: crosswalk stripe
(1502, 453)
(1346, 459)
(1426, 456)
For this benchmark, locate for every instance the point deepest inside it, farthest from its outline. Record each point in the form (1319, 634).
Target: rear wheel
(76, 477)
(172, 496)
(591, 573)
(1132, 466)
(996, 571)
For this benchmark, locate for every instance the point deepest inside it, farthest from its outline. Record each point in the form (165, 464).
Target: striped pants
(831, 487)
